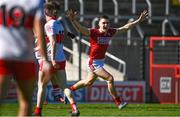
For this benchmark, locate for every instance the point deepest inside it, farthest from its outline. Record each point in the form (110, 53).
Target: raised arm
(72, 17)
(130, 25)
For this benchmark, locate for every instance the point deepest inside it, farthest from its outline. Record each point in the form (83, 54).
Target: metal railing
(167, 7)
(116, 16)
(122, 64)
(139, 30)
(129, 33)
(164, 24)
(100, 6)
(149, 11)
(81, 2)
(94, 21)
(133, 6)
(66, 2)
(116, 13)
(134, 2)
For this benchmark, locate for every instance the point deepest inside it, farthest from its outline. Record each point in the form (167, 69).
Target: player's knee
(67, 92)
(41, 86)
(24, 104)
(110, 79)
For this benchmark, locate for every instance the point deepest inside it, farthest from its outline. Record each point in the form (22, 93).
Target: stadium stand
(132, 47)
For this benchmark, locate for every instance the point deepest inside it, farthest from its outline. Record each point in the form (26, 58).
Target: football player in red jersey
(99, 42)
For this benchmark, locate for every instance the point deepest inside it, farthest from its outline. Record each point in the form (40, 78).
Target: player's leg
(111, 88)
(5, 77)
(25, 90)
(110, 80)
(40, 94)
(25, 78)
(61, 74)
(57, 91)
(4, 85)
(43, 79)
(84, 82)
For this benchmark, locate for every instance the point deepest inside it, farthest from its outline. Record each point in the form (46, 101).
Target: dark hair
(56, 5)
(51, 8)
(103, 17)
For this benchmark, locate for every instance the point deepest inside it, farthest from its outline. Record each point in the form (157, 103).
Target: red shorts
(62, 65)
(19, 69)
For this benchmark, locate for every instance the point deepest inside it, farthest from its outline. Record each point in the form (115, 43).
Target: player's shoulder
(50, 22)
(53, 23)
(93, 30)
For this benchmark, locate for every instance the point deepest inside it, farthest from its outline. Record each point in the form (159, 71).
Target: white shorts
(96, 64)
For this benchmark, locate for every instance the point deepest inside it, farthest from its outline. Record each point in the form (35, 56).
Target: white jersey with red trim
(55, 28)
(16, 23)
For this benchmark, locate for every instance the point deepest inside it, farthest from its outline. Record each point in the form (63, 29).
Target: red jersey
(99, 42)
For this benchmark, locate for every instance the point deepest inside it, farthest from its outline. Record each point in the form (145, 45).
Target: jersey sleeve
(92, 32)
(50, 29)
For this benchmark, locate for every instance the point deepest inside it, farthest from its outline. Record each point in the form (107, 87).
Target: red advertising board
(133, 92)
(164, 70)
(129, 91)
(165, 85)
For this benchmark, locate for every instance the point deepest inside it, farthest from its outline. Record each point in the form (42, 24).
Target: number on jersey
(13, 17)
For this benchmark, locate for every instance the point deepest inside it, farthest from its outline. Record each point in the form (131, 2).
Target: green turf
(101, 110)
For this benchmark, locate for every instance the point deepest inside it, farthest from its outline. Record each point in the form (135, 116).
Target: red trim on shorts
(23, 70)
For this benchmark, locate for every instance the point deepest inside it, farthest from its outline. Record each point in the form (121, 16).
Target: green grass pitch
(87, 109)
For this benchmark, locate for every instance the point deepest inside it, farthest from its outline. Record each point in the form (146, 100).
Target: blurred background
(144, 61)
(128, 57)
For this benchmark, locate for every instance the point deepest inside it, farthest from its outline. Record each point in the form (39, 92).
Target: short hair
(56, 4)
(103, 17)
(51, 9)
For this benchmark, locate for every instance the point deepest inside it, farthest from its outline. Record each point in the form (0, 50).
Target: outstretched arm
(71, 15)
(130, 25)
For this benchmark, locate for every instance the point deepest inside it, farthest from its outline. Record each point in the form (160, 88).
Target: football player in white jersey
(17, 19)
(54, 41)
(54, 81)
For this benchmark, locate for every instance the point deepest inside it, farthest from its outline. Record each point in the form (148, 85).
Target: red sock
(117, 101)
(73, 107)
(38, 110)
(72, 88)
